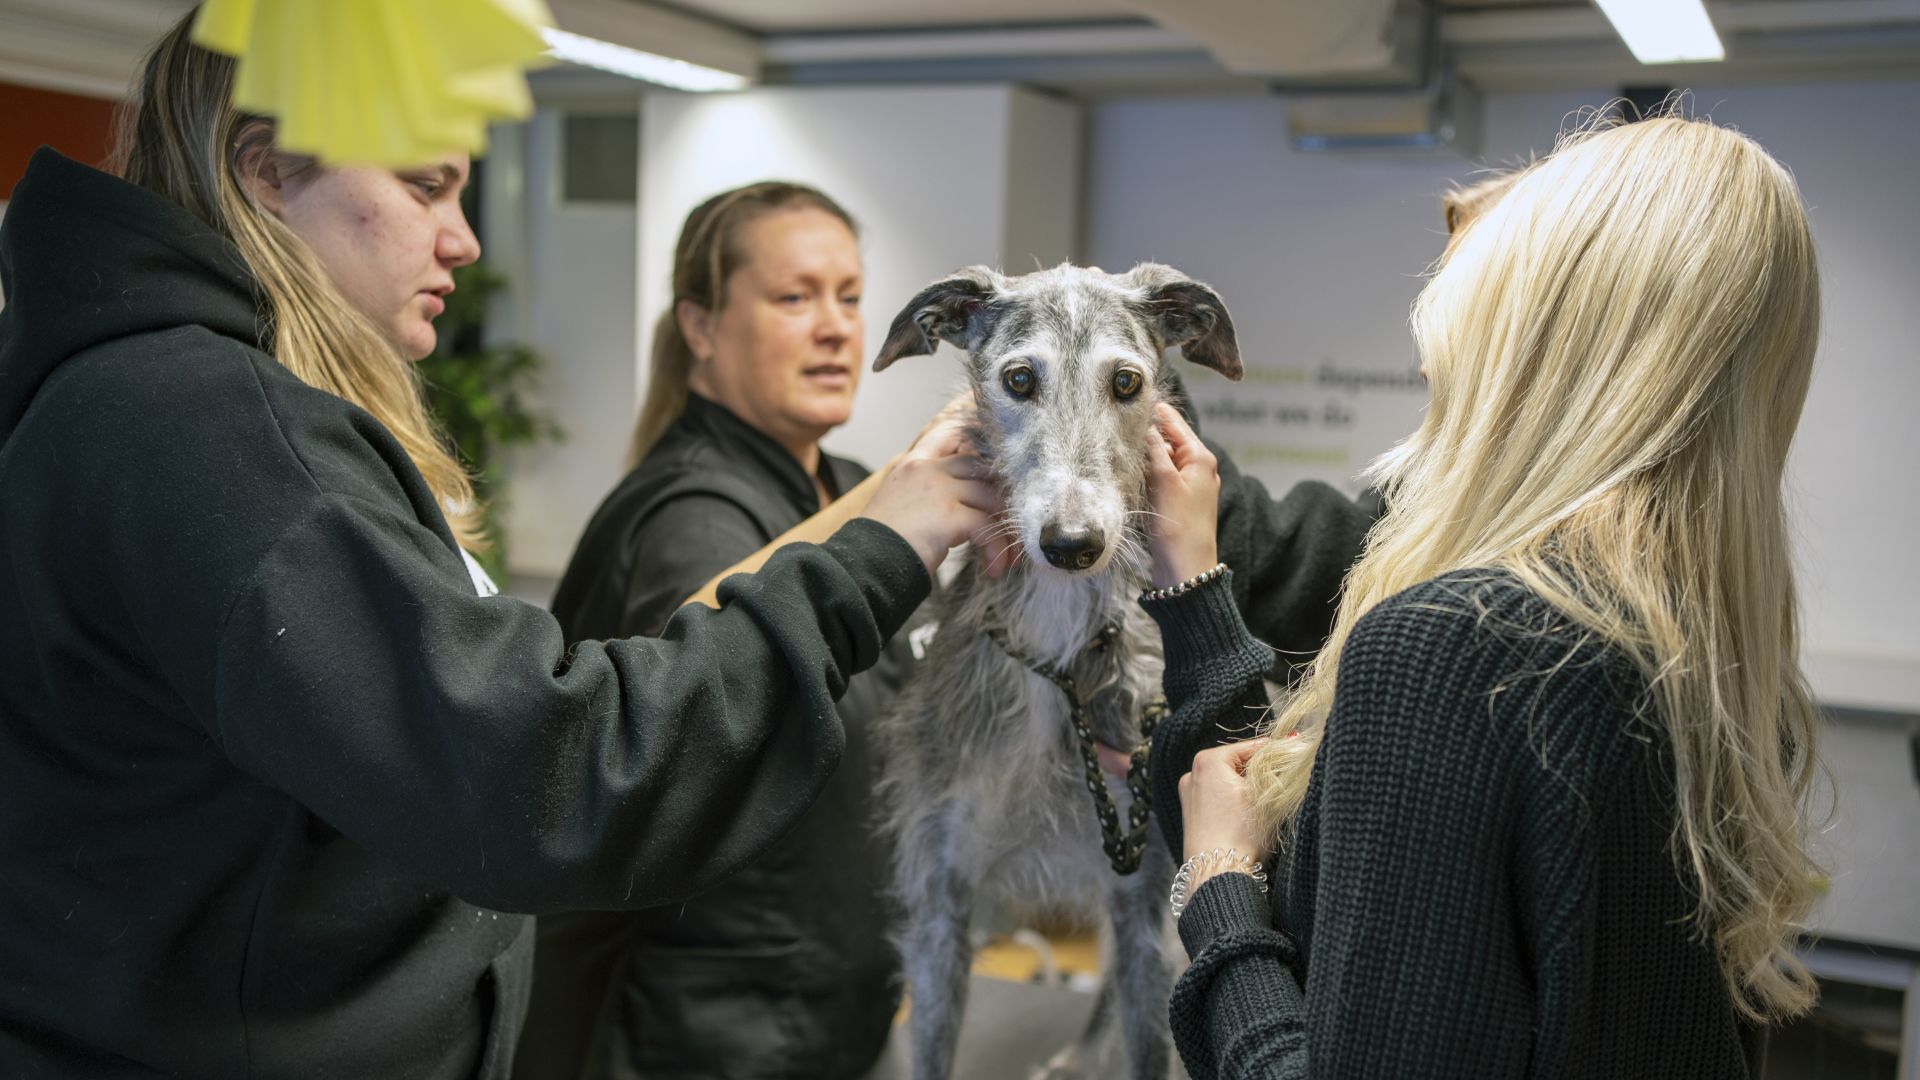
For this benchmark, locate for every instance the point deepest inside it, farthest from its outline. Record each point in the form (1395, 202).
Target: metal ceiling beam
(1485, 27)
(88, 47)
(143, 19)
(1588, 24)
(661, 30)
(1100, 39)
(1291, 39)
(1855, 55)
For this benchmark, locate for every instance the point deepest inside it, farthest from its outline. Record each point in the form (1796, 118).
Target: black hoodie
(270, 770)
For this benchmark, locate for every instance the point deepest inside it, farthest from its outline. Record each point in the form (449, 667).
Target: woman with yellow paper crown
(274, 764)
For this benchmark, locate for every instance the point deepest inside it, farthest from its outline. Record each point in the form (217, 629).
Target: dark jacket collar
(708, 422)
(86, 258)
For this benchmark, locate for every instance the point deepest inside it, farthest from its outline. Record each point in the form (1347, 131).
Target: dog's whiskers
(1000, 531)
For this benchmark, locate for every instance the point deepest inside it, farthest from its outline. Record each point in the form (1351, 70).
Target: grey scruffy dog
(985, 787)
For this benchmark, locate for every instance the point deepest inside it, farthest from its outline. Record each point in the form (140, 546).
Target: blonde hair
(1619, 350)
(1462, 205)
(704, 259)
(184, 140)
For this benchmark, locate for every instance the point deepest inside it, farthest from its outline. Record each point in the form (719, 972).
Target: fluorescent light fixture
(634, 64)
(1664, 31)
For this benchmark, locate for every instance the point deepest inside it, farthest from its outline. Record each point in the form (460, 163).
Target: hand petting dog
(937, 495)
(1183, 484)
(1183, 491)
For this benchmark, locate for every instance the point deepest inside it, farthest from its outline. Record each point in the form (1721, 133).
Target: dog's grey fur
(984, 784)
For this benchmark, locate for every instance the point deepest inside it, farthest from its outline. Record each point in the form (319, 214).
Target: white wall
(938, 177)
(1856, 153)
(1318, 257)
(571, 273)
(1043, 183)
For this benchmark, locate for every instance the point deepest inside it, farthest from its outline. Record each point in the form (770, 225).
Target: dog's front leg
(1142, 973)
(934, 948)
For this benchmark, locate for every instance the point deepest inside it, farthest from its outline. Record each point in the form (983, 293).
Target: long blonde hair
(183, 139)
(1619, 349)
(704, 259)
(1465, 203)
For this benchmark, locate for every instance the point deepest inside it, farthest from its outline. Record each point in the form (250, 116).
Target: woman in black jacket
(273, 768)
(782, 970)
(1538, 807)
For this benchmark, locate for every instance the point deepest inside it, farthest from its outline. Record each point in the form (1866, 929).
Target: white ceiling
(1085, 48)
(784, 16)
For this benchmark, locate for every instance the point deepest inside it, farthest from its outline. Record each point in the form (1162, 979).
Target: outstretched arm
(811, 531)
(838, 512)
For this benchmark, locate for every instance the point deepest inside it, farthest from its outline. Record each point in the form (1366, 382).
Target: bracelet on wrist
(1186, 586)
(1218, 860)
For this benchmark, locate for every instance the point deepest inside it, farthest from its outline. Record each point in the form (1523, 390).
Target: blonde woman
(274, 769)
(1538, 808)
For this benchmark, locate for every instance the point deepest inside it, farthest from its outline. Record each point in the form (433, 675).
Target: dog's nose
(1071, 550)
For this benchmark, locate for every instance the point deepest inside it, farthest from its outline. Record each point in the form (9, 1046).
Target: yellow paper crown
(379, 82)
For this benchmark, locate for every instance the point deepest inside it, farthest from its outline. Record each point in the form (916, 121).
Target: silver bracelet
(1234, 863)
(1186, 586)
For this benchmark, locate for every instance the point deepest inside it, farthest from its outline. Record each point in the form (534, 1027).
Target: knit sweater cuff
(1223, 904)
(1240, 979)
(1204, 637)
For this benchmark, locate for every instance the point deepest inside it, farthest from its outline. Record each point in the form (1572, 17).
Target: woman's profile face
(388, 239)
(783, 352)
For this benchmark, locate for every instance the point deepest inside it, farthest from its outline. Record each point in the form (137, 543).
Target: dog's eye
(1126, 383)
(1020, 380)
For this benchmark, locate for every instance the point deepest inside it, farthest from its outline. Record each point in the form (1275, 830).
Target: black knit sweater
(1479, 883)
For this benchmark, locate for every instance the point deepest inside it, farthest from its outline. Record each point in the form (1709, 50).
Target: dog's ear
(953, 309)
(1191, 315)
